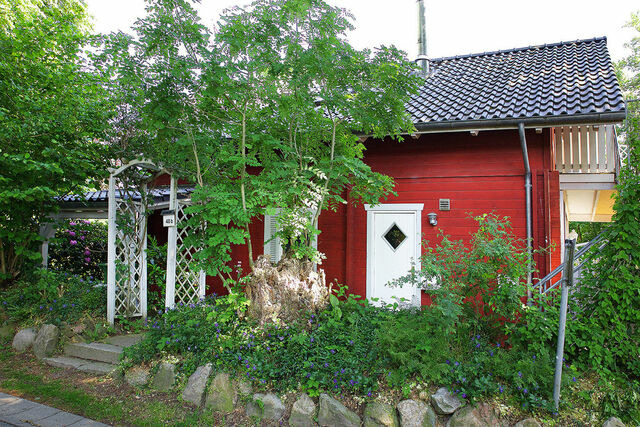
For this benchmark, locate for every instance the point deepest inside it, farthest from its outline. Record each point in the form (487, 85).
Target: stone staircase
(99, 358)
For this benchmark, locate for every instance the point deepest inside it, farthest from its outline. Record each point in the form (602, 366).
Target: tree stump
(286, 291)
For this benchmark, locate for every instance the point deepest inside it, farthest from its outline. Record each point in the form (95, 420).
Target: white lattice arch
(183, 285)
(127, 243)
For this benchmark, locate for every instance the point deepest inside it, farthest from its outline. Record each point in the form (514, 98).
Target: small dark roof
(551, 84)
(159, 194)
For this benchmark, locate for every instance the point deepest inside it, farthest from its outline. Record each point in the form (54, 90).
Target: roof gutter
(529, 214)
(496, 124)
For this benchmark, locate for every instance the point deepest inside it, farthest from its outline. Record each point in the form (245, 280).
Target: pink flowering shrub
(80, 248)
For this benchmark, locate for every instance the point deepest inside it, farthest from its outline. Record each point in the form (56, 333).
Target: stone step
(95, 351)
(83, 365)
(125, 340)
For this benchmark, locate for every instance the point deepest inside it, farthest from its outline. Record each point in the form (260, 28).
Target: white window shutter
(272, 246)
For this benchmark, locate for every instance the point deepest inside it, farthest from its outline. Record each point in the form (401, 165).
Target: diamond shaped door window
(394, 236)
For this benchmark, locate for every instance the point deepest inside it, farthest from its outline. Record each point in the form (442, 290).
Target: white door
(393, 243)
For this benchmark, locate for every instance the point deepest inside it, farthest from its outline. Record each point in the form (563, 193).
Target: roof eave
(529, 122)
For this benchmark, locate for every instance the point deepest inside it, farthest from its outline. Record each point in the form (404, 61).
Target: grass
(17, 378)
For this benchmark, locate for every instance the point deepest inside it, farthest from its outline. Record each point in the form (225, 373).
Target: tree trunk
(287, 291)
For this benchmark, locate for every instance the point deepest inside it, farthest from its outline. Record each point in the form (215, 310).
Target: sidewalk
(15, 411)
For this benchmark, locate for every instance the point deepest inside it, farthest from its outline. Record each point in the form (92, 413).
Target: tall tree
(264, 116)
(291, 96)
(52, 110)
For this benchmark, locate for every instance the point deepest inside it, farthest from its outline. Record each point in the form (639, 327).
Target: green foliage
(80, 248)
(53, 297)
(620, 398)
(587, 231)
(52, 110)
(608, 337)
(156, 274)
(262, 116)
(407, 338)
(484, 277)
(334, 351)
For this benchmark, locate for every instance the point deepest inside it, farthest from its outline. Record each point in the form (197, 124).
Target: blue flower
(574, 379)
(520, 374)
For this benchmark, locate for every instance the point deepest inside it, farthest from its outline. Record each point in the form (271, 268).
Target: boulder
(243, 387)
(482, 415)
(303, 412)
(194, 390)
(444, 402)
(415, 413)
(164, 379)
(6, 331)
(266, 407)
(378, 414)
(46, 341)
(24, 339)
(138, 376)
(528, 422)
(334, 414)
(613, 422)
(465, 417)
(222, 394)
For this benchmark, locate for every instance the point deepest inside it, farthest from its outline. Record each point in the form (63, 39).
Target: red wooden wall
(479, 174)
(483, 173)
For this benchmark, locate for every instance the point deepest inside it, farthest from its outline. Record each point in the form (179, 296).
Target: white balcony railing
(586, 149)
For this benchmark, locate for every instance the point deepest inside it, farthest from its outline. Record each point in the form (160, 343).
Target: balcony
(588, 159)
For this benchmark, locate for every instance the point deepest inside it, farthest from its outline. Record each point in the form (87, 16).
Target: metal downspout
(527, 187)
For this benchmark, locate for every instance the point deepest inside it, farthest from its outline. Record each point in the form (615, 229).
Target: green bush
(418, 342)
(484, 277)
(80, 248)
(53, 297)
(334, 351)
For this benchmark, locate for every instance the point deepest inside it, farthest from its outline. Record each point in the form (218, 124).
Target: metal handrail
(558, 269)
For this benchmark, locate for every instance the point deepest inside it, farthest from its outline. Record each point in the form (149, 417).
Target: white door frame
(416, 209)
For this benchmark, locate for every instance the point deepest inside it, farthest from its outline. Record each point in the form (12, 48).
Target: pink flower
(72, 223)
(87, 259)
(87, 222)
(81, 237)
(73, 242)
(72, 233)
(87, 252)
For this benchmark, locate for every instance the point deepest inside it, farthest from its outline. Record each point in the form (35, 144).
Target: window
(272, 243)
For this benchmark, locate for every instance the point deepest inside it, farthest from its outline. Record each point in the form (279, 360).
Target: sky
(454, 27)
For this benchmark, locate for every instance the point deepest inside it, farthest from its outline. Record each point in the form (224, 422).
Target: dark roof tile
(569, 78)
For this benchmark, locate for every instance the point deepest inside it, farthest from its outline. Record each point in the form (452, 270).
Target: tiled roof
(544, 83)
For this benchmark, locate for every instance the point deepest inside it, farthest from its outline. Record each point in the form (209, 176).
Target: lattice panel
(189, 283)
(130, 258)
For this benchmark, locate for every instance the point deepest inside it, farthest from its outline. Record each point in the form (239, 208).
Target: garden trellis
(184, 284)
(130, 202)
(127, 239)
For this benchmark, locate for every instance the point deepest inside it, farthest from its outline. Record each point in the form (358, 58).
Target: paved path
(15, 411)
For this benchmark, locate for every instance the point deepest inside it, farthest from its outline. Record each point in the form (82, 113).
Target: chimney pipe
(422, 59)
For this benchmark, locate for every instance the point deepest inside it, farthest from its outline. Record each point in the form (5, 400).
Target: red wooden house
(469, 156)
(526, 133)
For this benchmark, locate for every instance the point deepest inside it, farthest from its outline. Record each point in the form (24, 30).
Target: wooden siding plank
(611, 155)
(602, 146)
(593, 149)
(566, 143)
(584, 149)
